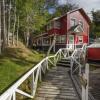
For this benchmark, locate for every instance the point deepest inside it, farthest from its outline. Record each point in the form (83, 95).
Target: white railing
(36, 74)
(77, 57)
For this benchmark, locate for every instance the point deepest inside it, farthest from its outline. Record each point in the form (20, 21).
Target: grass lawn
(15, 62)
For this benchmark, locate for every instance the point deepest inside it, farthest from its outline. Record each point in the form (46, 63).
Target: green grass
(15, 62)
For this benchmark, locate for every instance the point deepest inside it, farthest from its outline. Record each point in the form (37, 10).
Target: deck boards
(56, 86)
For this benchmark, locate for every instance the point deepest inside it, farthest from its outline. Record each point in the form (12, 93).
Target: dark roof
(73, 27)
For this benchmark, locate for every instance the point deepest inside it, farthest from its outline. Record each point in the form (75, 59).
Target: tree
(17, 29)
(14, 23)
(0, 26)
(3, 25)
(95, 25)
(8, 24)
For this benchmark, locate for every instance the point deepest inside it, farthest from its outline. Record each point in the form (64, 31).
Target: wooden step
(63, 64)
(63, 61)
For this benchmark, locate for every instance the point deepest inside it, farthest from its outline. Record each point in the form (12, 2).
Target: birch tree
(14, 23)
(3, 25)
(8, 24)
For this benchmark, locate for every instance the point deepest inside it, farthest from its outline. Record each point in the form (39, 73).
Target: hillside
(14, 62)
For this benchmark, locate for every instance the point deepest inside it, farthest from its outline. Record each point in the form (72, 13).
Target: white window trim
(83, 23)
(37, 41)
(72, 18)
(65, 39)
(82, 39)
(60, 39)
(50, 41)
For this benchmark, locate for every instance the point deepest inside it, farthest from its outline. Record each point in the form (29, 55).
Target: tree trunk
(27, 33)
(53, 42)
(17, 29)
(8, 24)
(0, 26)
(3, 25)
(14, 24)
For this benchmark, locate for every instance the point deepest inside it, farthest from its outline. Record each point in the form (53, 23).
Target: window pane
(80, 39)
(58, 39)
(63, 38)
(39, 41)
(81, 23)
(52, 25)
(57, 23)
(72, 22)
(46, 40)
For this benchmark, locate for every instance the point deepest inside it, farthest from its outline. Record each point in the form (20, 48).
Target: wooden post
(32, 84)
(14, 95)
(47, 62)
(40, 76)
(85, 90)
(55, 60)
(60, 53)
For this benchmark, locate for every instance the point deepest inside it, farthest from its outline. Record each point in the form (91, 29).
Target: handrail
(10, 94)
(76, 56)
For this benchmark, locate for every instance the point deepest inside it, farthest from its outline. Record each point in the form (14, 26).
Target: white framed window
(46, 41)
(58, 39)
(81, 23)
(61, 39)
(57, 23)
(80, 39)
(73, 22)
(39, 41)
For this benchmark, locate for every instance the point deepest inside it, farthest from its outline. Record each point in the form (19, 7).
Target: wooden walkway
(56, 86)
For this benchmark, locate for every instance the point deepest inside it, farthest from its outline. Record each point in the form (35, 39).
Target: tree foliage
(95, 25)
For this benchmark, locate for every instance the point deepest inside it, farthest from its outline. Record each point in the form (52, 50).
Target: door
(71, 42)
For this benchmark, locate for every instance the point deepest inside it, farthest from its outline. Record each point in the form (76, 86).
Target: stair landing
(56, 85)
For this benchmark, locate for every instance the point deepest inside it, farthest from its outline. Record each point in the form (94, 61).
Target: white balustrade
(40, 68)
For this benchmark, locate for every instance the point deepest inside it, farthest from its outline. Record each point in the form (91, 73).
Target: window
(80, 39)
(60, 39)
(46, 41)
(57, 23)
(73, 22)
(81, 23)
(63, 39)
(39, 41)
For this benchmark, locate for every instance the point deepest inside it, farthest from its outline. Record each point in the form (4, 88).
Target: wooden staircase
(64, 62)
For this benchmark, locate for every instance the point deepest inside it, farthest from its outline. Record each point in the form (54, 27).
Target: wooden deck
(56, 86)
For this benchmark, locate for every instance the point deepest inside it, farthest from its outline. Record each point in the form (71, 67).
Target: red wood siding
(94, 53)
(79, 17)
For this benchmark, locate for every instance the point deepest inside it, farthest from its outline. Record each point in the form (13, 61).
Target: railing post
(14, 95)
(85, 90)
(47, 62)
(60, 53)
(32, 85)
(40, 76)
(71, 65)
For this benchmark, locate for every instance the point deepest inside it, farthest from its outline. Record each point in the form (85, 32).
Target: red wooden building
(71, 29)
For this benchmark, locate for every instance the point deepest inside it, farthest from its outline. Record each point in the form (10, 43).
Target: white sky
(87, 5)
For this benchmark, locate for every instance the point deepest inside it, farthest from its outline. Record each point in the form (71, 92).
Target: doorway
(71, 42)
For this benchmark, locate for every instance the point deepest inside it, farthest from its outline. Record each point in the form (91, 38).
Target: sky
(87, 5)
